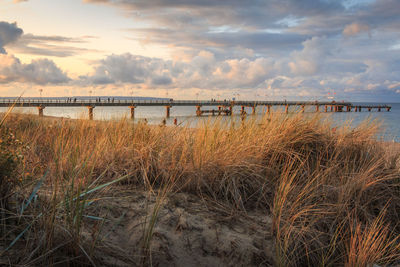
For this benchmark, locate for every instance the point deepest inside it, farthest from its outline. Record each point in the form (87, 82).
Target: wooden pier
(224, 107)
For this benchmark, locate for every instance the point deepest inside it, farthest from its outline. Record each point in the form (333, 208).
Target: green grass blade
(35, 190)
(103, 185)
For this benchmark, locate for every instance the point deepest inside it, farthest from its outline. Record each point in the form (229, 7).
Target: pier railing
(127, 102)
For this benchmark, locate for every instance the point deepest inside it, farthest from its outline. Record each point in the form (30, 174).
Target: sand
(190, 231)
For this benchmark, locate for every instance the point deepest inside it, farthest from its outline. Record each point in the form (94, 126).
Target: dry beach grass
(281, 191)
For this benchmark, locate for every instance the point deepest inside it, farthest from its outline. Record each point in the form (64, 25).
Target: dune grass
(333, 196)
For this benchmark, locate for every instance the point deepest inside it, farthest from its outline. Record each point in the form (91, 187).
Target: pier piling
(167, 111)
(242, 111)
(132, 111)
(90, 109)
(40, 109)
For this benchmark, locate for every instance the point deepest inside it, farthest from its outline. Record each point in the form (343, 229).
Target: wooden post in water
(40, 109)
(90, 109)
(287, 109)
(242, 111)
(268, 108)
(167, 111)
(219, 110)
(326, 108)
(317, 108)
(231, 110)
(132, 111)
(198, 111)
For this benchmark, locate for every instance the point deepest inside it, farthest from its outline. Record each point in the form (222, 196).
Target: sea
(186, 115)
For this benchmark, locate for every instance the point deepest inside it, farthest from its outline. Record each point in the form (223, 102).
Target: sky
(201, 49)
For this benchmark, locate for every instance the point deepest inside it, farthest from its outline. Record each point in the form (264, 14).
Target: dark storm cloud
(9, 33)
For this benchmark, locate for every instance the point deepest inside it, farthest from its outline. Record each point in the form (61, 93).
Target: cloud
(127, 68)
(9, 33)
(221, 43)
(311, 71)
(218, 25)
(309, 60)
(41, 71)
(355, 28)
(394, 85)
(55, 46)
(203, 71)
(264, 26)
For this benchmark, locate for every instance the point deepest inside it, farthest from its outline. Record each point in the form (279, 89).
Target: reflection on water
(186, 115)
